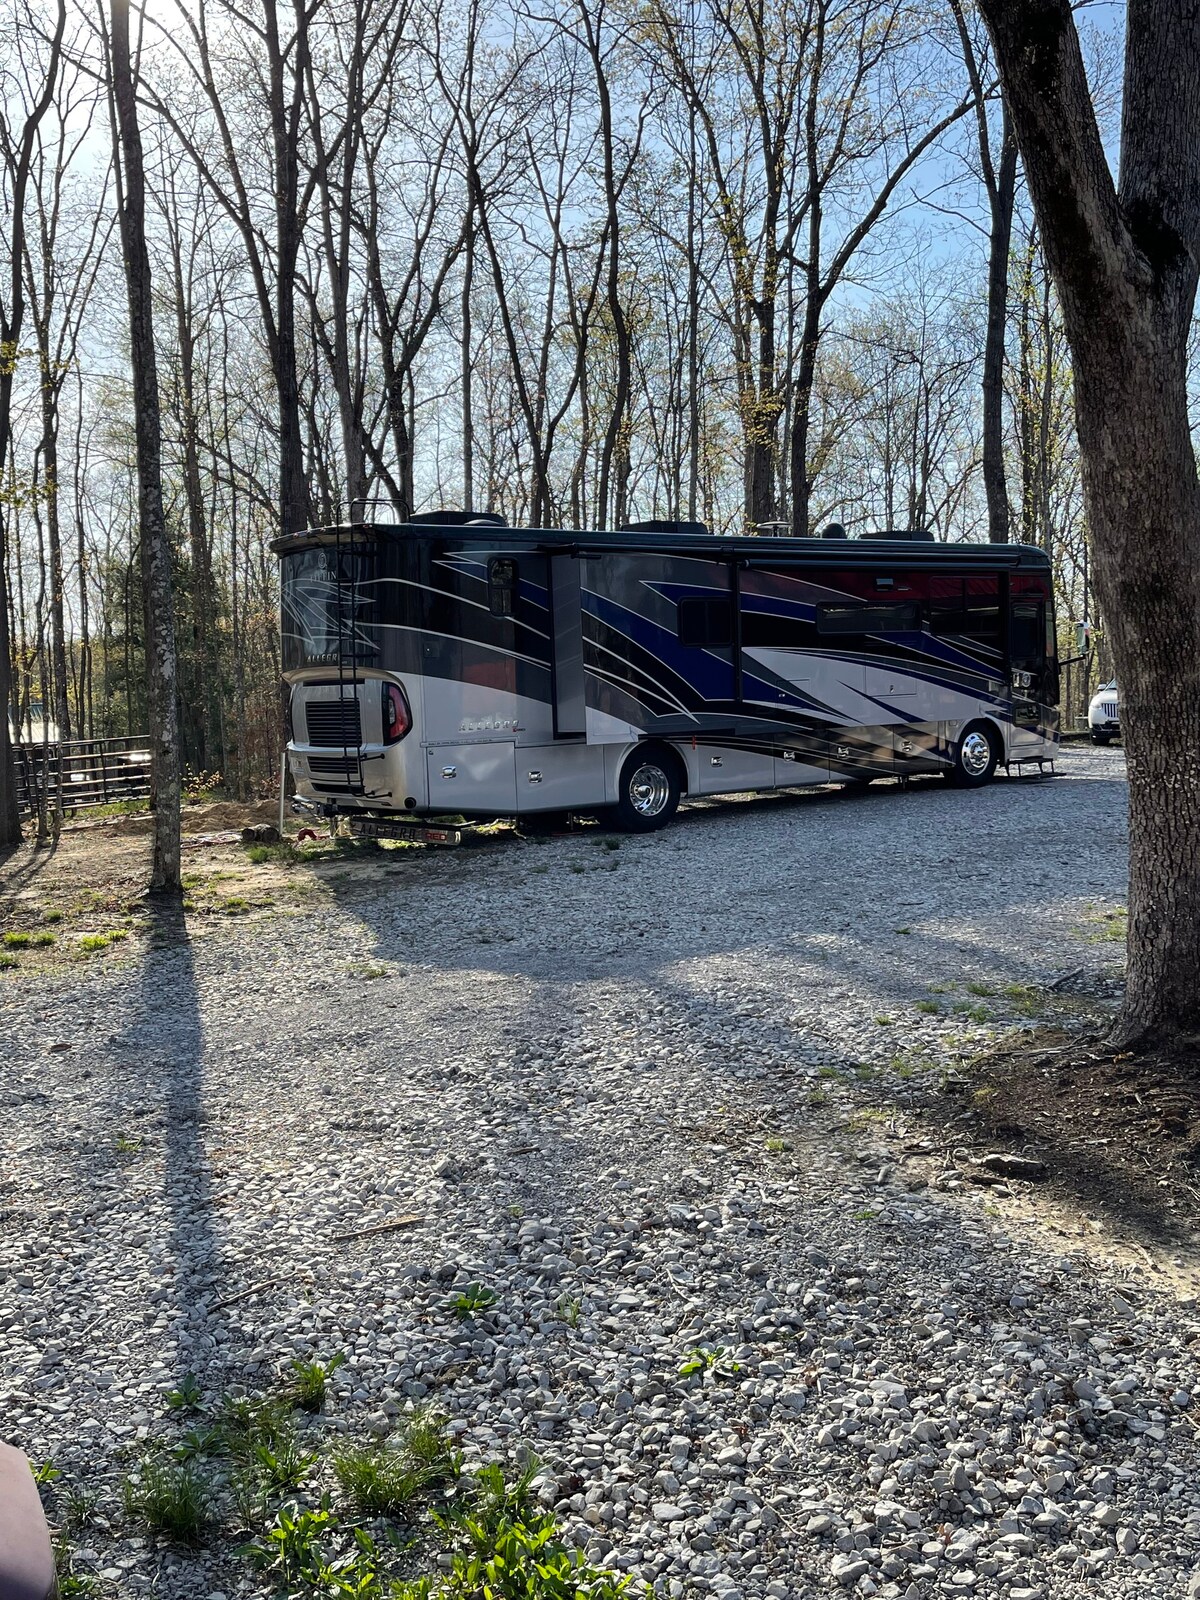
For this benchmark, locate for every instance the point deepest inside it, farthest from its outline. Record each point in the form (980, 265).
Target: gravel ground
(658, 1098)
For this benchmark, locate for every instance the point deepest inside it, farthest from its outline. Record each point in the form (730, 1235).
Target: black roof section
(766, 551)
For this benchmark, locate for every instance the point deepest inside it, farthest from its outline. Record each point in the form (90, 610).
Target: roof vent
(921, 534)
(834, 530)
(458, 519)
(689, 530)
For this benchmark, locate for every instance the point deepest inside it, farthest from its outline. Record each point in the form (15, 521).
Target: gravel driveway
(653, 1093)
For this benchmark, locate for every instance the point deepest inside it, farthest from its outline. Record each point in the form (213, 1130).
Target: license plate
(413, 833)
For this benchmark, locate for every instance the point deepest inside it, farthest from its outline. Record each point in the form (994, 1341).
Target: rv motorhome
(454, 665)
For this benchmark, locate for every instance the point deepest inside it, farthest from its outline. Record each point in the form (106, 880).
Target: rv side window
(700, 622)
(842, 617)
(502, 586)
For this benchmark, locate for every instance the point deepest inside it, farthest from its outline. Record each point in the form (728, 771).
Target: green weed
(45, 1473)
(981, 989)
(188, 1395)
(128, 1144)
(867, 1214)
(930, 1007)
(884, 1022)
(702, 1358)
(473, 1299)
(568, 1309)
(169, 1498)
(8, 963)
(101, 941)
(776, 1147)
(310, 1379)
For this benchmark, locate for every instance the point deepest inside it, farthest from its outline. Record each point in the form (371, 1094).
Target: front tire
(1101, 738)
(976, 756)
(648, 791)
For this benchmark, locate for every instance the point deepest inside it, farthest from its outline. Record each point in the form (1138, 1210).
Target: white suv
(1103, 718)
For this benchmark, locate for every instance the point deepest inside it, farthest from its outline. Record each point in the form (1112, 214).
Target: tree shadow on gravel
(164, 1041)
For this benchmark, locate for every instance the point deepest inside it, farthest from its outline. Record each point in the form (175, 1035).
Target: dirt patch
(1119, 1135)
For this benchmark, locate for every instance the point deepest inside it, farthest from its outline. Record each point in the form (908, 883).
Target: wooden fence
(83, 772)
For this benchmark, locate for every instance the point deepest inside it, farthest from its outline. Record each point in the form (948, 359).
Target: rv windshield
(328, 605)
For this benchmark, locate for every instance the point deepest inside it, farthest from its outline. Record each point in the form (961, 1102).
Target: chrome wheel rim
(976, 754)
(649, 791)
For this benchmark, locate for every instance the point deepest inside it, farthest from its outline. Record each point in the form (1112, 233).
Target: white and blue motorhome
(455, 665)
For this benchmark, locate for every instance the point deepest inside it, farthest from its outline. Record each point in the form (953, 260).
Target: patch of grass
(8, 963)
(45, 1473)
(776, 1147)
(170, 1498)
(867, 1214)
(818, 1097)
(17, 941)
(832, 1072)
(235, 906)
(282, 854)
(942, 988)
(981, 989)
(380, 1480)
(931, 1008)
(367, 970)
(476, 1297)
(101, 941)
(867, 1117)
(903, 930)
(310, 1379)
(884, 1022)
(972, 1013)
(128, 1144)
(864, 1071)
(52, 916)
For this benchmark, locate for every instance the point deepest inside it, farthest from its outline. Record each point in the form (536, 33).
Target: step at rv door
(566, 624)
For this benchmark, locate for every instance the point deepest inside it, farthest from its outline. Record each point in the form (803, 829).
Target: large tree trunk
(1002, 197)
(155, 550)
(1125, 268)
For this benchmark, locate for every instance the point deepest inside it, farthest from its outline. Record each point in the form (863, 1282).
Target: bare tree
(17, 147)
(155, 549)
(1125, 259)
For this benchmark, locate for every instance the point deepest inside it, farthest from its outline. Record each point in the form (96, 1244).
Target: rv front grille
(345, 766)
(335, 724)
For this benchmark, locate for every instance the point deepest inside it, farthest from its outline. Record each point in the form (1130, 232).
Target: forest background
(762, 263)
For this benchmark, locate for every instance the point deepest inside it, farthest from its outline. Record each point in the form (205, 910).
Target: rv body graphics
(534, 662)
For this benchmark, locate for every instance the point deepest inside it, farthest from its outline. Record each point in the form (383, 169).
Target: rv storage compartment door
(566, 621)
(474, 777)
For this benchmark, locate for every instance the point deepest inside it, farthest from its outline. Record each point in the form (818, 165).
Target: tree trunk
(1125, 267)
(12, 317)
(1002, 197)
(155, 550)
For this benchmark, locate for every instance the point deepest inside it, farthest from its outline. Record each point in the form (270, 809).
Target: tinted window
(841, 617)
(700, 622)
(502, 586)
(1026, 636)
